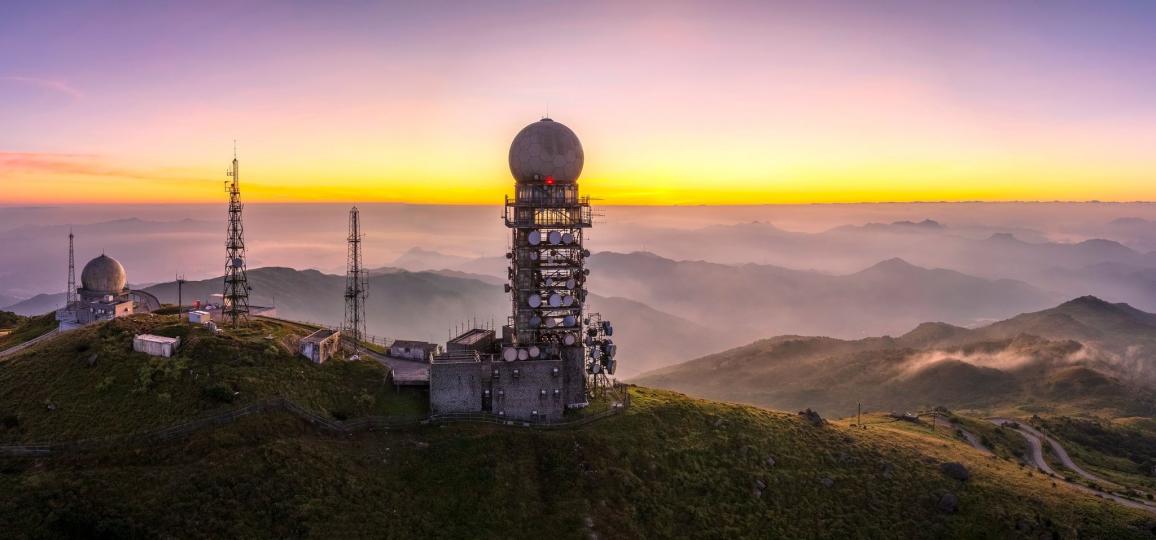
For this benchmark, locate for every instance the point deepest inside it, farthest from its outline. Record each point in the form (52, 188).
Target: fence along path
(367, 423)
(21, 346)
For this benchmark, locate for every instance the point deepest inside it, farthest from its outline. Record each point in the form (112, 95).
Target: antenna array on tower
(235, 300)
(355, 285)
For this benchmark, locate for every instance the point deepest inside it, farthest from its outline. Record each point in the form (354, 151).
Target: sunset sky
(675, 103)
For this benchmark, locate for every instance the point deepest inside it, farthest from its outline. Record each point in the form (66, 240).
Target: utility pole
(235, 300)
(860, 421)
(180, 303)
(355, 285)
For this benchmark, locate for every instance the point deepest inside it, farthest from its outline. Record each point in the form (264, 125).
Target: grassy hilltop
(669, 467)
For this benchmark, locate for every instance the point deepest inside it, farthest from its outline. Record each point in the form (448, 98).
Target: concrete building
(478, 339)
(103, 295)
(413, 350)
(321, 345)
(156, 345)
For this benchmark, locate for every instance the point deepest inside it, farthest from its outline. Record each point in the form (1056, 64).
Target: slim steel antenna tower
(235, 300)
(355, 286)
(70, 293)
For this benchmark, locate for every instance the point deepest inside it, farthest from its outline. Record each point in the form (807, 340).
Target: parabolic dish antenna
(568, 238)
(523, 354)
(567, 301)
(534, 301)
(555, 237)
(534, 351)
(569, 320)
(569, 339)
(510, 354)
(535, 238)
(555, 300)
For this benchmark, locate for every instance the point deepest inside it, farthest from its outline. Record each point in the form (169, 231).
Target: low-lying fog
(846, 270)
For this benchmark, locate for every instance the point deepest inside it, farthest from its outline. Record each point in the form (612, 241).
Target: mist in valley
(679, 282)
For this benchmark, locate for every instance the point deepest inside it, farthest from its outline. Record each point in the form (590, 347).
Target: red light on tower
(549, 180)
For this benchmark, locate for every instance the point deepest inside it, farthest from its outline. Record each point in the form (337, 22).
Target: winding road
(1035, 441)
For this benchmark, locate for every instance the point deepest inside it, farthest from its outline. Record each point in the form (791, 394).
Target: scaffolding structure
(355, 286)
(235, 299)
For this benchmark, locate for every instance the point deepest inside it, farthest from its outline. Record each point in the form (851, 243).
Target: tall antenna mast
(70, 293)
(235, 300)
(355, 285)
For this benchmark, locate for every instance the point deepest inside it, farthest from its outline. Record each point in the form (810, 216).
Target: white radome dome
(103, 274)
(546, 149)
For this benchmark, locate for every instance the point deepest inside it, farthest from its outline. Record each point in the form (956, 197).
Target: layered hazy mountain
(668, 311)
(1085, 355)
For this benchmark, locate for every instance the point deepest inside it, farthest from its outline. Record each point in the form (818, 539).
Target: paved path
(1035, 441)
(967, 435)
(38, 339)
(405, 372)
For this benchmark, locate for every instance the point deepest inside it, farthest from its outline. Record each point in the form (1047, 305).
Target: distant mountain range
(751, 300)
(1083, 356)
(674, 310)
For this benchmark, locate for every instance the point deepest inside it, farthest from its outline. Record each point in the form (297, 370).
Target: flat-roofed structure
(156, 345)
(321, 345)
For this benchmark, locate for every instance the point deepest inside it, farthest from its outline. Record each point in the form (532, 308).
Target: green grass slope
(669, 467)
(89, 382)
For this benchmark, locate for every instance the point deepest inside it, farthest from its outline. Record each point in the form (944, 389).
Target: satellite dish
(567, 301)
(507, 287)
(510, 354)
(534, 301)
(509, 255)
(555, 237)
(595, 353)
(569, 320)
(523, 354)
(534, 351)
(596, 368)
(569, 339)
(586, 253)
(567, 238)
(535, 238)
(589, 341)
(555, 300)
(533, 255)
(237, 262)
(551, 322)
(570, 283)
(535, 321)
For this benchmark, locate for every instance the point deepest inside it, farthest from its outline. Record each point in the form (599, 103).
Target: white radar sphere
(546, 152)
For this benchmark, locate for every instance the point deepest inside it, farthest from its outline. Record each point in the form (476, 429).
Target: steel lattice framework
(547, 274)
(355, 285)
(70, 293)
(235, 300)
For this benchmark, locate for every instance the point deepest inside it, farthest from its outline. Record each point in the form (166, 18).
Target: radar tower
(235, 300)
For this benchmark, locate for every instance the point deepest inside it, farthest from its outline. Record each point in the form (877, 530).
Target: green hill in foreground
(668, 467)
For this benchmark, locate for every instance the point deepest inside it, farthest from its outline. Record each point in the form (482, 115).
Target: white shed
(155, 345)
(199, 317)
